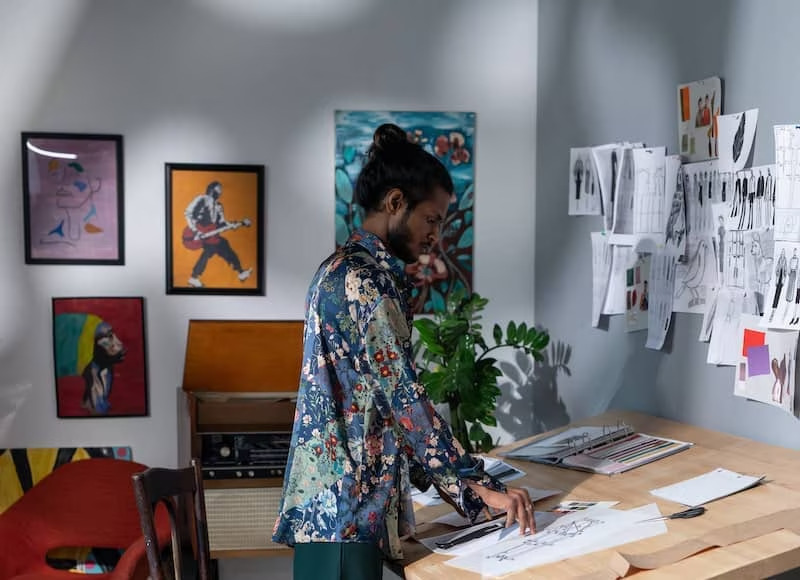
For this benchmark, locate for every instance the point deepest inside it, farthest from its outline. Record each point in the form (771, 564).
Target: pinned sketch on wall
(606, 161)
(637, 294)
(787, 191)
(675, 228)
(765, 371)
(702, 187)
(753, 203)
(729, 248)
(699, 106)
(649, 197)
(783, 310)
(696, 278)
(737, 133)
(584, 188)
(725, 346)
(758, 265)
(622, 230)
(621, 258)
(662, 288)
(601, 271)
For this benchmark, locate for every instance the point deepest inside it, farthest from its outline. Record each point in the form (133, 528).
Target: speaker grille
(242, 519)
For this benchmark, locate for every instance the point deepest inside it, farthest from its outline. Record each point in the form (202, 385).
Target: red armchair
(87, 503)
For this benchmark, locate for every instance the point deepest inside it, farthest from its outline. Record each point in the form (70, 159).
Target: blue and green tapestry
(451, 138)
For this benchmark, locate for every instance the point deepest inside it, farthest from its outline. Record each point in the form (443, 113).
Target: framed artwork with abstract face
(100, 357)
(73, 198)
(215, 229)
(450, 137)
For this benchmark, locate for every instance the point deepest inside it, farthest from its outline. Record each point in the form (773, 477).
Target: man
(206, 219)
(364, 428)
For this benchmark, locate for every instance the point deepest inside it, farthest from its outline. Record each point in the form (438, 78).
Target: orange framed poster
(215, 229)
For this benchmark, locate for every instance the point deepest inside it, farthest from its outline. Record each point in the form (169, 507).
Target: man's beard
(399, 241)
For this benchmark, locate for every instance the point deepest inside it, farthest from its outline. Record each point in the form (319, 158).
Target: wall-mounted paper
(736, 135)
(637, 294)
(675, 228)
(584, 188)
(699, 106)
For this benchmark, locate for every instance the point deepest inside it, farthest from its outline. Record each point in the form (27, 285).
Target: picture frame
(100, 357)
(214, 229)
(73, 198)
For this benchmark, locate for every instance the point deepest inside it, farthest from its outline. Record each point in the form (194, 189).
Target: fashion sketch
(584, 189)
(692, 280)
(758, 265)
(736, 137)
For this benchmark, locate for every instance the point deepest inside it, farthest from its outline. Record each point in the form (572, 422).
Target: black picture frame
(73, 198)
(233, 248)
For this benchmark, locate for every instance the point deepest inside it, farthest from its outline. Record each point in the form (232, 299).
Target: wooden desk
(758, 557)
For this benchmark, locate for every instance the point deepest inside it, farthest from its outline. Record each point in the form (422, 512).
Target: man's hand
(515, 502)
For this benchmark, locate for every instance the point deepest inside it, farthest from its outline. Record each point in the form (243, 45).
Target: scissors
(684, 515)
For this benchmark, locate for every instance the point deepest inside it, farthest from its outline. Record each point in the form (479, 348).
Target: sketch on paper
(695, 278)
(752, 205)
(571, 535)
(621, 258)
(758, 265)
(601, 271)
(675, 228)
(736, 135)
(702, 187)
(662, 288)
(649, 197)
(637, 294)
(699, 106)
(725, 346)
(787, 187)
(606, 161)
(584, 188)
(450, 137)
(766, 364)
(784, 290)
(622, 230)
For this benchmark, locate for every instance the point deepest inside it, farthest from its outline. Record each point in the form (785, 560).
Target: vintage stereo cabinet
(235, 412)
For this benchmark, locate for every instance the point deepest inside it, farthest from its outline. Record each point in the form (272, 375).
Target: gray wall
(608, 71)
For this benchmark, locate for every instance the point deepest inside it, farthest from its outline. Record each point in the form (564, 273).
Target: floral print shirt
(364, 429)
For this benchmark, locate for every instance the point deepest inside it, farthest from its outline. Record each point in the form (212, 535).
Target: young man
(364, 429)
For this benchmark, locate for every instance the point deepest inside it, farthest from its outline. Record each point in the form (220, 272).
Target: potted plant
(456, 369)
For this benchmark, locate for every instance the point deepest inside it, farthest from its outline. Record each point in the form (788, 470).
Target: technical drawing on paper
(787, 193)
(758, 265)
(783, 296)
(554, 534)
(601, 272)
(695, 279)
(623, 204)
(702, 187)
(662, 288)
(584, 189)
(649, 194)
(675, 228)
(725, 347)
(621, 258)
(752, 205)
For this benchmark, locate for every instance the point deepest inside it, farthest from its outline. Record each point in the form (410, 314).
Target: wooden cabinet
(239, 384)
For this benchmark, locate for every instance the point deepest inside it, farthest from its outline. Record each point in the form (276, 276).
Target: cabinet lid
(243, 356)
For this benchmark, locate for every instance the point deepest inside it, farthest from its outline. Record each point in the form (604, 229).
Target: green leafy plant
(456, 369)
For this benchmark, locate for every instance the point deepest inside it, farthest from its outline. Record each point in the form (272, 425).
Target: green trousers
(337, 561)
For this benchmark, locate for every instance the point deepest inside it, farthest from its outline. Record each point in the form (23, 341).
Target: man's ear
(393, 201)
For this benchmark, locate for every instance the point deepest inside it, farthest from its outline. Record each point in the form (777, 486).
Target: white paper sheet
(569, 536)
(622, 231)
(699, 105)
(426, 498)
(621, 258)
(650, 203)
(766, 368)
(662, 288)
(606, 162)
(457, 520)
(759, 248)
(637, 294)
(504, 472)
(736, 135)
(787, 186)
(751, 199)
(726, 343)
(601, 274)
(675, 227)
(783, 308)
(584, 189)
(705, 488)
(696, 278)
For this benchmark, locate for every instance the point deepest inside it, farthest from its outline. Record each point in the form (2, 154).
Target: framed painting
(451, 138)
(73, 198)
(100, 357)
(215, 229)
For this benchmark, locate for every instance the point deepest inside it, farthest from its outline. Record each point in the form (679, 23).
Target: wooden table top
(757, 557)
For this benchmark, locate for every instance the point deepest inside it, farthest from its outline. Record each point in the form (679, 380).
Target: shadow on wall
(537, 383)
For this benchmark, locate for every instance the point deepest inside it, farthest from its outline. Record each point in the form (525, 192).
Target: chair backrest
(175, 489)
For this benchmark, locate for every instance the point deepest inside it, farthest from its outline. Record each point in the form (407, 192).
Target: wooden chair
(175, 489)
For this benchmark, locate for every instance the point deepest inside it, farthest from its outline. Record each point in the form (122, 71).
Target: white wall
(246, 82)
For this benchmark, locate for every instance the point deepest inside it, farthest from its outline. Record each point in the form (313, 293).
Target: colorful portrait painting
(451, 138)
(215, 237)
(100, 357)
(73, 198)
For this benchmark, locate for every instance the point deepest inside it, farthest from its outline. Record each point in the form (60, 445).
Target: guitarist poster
(215, 229)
